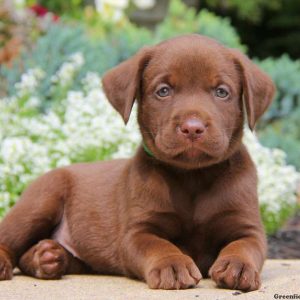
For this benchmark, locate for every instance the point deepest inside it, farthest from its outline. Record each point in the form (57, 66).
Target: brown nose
(192, 128)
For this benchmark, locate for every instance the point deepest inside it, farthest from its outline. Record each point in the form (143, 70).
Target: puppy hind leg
(33, 218)
(49, 260)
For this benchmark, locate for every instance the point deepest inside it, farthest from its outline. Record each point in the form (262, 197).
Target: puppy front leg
(33, 218)
(239, 263)
(160, 263)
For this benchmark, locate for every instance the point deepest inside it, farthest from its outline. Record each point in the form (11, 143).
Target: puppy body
(192, 205)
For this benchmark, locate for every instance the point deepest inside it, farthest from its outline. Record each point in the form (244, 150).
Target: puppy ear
(122, 83)
(258, 88)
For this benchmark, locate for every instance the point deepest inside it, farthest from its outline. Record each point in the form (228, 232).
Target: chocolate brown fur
(193, 206)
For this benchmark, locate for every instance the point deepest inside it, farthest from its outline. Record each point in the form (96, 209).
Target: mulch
(285, 244)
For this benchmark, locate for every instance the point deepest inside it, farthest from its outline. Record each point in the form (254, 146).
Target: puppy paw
(174, 272)
(45, 260)
(233, 273)
(6, 269)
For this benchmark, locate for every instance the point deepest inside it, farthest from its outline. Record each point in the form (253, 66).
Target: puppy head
(191, 93)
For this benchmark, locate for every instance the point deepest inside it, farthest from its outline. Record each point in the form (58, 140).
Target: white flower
(62, 162)
(91, 81)
(144, 4)
(277, 181)
(67, 71)
(120, 4)
(33, 102)
(77, 59)
(29, 81)
(19, 3)
(4, 200)
(112, 10)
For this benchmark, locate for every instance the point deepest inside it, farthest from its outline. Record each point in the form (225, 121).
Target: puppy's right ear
(122, 83)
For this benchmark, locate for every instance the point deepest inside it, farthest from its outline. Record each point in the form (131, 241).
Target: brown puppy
(190, 205)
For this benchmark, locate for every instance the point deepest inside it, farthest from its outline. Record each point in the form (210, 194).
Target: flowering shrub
(277, 183)
(80, 125)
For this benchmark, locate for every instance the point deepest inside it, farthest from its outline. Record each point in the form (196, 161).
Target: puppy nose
(192, 128)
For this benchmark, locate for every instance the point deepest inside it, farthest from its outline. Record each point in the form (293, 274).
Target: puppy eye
(221, 92)
(164, 91)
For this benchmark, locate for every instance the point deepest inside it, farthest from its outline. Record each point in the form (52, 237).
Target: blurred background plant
(53, 54)
(9, 42)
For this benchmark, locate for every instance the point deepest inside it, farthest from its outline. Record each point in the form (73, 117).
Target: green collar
(147, 150)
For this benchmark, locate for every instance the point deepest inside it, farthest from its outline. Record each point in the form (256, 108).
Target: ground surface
(286, 242)
(280, 277)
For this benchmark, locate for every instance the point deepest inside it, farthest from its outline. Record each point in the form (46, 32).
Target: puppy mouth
(190, 151)
(194, 156)
(193, 153)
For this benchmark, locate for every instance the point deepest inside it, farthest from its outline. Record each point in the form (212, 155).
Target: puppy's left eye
(221, 92)
(163, 91)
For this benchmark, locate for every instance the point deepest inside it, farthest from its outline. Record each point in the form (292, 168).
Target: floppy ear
(122, 83)
(258, 88)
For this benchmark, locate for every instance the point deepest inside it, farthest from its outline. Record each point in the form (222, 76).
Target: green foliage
(273, 222)
(248, 10)
(280, 126)
(219, 29)
(53, 49)
(286, 76)
(181, 20)
(126, 41)
(284, 134)
(268, 28)
(7, 26)
(63, 7)
(93, 153)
